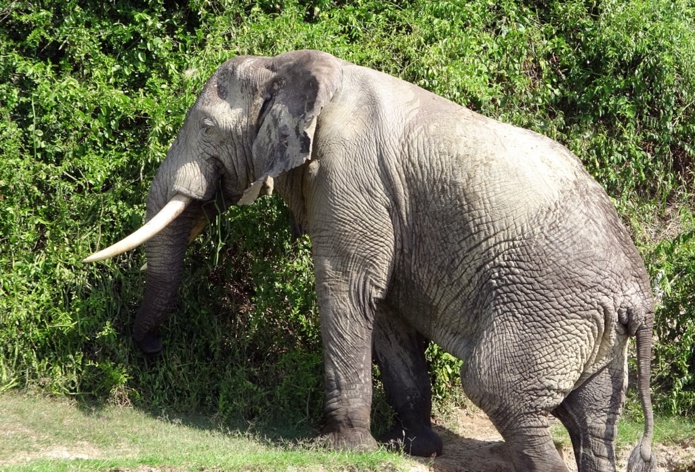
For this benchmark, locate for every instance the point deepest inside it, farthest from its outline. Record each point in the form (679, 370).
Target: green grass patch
(668, 430)
(48, 434)
(675, 430)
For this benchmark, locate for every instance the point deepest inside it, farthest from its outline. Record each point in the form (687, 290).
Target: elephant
(427, 221)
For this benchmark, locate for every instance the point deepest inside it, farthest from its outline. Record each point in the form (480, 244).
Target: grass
(49, 434)
(54, 434)
(668, 430)
(676, 430)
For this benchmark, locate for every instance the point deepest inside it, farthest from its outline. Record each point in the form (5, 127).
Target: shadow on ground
(468, 454)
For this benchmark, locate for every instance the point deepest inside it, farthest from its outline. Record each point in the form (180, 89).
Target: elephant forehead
(228, 113)
(249, 71)
(222, 94)
(241, 68)
(235, 82)
(225, 114)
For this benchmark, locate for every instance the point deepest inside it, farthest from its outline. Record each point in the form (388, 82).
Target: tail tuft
(642, 459)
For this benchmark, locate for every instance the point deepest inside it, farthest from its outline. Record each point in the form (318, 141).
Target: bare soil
(472, 444)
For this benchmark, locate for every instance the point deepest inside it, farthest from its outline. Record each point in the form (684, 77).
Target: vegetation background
(92, 94)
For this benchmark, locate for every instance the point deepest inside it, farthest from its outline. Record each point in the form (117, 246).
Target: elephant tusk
(197, 229)
(160, 221)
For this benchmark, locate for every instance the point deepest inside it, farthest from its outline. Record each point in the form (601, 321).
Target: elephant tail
(642, 458)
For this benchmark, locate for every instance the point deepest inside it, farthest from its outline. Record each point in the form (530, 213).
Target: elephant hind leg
(590, 413)
(528, 442)
(517, 389)
(524, 426)
(400, 353)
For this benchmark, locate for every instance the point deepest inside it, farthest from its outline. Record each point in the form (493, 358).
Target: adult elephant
(426, 220)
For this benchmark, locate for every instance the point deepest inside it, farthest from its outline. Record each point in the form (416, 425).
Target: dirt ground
(472, 444)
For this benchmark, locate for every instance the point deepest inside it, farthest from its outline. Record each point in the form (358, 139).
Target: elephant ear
(303, 83)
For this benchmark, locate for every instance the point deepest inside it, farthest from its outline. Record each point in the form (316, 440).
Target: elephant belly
(517, 294)
(441, 310)
(502, 321)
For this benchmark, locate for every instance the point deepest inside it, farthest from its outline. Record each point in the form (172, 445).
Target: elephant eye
(267, 102)
(207, 126)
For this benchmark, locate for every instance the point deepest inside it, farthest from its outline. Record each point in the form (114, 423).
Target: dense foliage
(92, 94)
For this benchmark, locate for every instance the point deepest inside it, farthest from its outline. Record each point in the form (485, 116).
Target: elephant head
(254, 120)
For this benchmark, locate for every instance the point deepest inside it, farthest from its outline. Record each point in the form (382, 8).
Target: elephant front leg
(400, 353)
(347, 312)
(348, 397)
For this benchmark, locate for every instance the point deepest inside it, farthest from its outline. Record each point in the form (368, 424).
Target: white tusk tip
(93, 258)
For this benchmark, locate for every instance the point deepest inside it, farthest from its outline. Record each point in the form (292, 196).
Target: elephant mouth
(161, 220)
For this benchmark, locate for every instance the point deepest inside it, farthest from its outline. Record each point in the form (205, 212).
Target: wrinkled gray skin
(427, 220)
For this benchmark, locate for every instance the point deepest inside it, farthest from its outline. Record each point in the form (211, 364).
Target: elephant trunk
(166, 233)
(165, 255)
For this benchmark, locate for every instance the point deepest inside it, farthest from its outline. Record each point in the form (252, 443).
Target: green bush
(92, 94)
(673, 262)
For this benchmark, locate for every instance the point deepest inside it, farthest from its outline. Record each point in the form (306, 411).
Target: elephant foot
(421, 442)
(150, 344)
(352, 439)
